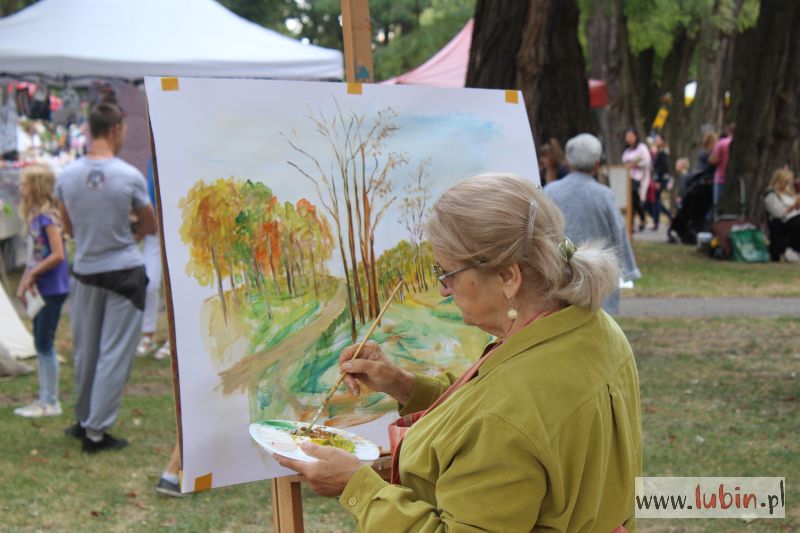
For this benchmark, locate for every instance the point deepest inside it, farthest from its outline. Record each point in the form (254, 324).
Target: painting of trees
(356, 191)
(239, 231)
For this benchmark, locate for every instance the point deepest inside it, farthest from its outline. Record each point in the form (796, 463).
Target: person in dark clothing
(661, 175)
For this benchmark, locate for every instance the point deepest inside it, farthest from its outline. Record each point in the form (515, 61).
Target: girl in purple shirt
(47, 273)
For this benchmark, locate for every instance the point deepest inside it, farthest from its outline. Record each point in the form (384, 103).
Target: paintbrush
(355, 356)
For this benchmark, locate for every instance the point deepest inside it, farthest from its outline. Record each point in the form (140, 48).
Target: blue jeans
(44, 332)
(717, 192)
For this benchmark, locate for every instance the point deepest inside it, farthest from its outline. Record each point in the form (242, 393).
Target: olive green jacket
(547, 437)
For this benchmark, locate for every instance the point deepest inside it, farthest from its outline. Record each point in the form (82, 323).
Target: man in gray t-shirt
(98, 194)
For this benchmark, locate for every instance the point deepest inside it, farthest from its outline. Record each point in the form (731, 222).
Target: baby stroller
(691, 218)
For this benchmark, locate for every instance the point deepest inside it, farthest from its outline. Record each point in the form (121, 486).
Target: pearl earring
(512, 313)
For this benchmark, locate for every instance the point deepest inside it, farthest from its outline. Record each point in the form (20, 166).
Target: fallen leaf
(38, 460)
(95, 513)
(132, 494)
(138, 412)
(789, 399)
(140, 505)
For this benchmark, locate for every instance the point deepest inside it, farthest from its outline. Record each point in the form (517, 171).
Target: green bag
(749, 245)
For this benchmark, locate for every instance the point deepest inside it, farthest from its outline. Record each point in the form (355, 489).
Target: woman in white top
(638, 160)
(783, 210)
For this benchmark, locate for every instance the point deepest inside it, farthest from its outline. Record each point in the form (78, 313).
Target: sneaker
(75, 430)
(163, 353)
(106, 443)
(146, 346)
(791, 256)
(168, 488)
(38, 409)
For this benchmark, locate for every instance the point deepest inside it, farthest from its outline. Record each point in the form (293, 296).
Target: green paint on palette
(280, 424)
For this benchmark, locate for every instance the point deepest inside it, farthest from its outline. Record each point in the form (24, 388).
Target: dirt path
(708, 307)
(239, 376)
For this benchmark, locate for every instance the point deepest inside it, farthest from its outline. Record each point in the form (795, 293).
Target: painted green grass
(672, 270)
(287, 320)
(422, 337)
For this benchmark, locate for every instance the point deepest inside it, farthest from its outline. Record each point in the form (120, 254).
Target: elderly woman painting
(543, 431)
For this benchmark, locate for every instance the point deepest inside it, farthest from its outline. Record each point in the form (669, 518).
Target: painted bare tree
(355, 190)
(413, 215)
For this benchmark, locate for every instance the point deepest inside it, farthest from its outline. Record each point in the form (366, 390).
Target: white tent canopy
(131, 39)
(13, 335)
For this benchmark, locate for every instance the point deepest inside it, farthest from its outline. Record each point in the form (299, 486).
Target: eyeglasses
(442, 275)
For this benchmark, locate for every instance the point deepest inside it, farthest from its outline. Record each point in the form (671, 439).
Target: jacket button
(352, 501)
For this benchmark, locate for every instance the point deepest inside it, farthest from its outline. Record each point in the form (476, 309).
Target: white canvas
(232, 369)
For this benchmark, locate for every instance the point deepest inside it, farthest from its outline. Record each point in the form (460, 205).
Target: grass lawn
(719, 398)
(673, 270)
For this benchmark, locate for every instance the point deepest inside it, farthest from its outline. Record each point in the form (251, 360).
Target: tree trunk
(314, 270)
(767, 112)
(350, 304)
(233, 287)
(362, 243)
(610, 60)
(272, 266)
(674, 75)
(221, 293)
(352, 245)
(715, 44)
(743, 49)
(533, 46)
(496, 38)
(552, 73)
(642, 69)
(247, 287)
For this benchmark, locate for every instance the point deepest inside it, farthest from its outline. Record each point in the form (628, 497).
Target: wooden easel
(287, 500)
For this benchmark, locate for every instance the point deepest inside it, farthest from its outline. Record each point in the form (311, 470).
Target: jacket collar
(535, 333)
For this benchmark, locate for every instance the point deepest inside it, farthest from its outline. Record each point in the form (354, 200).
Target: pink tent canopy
(448, 68)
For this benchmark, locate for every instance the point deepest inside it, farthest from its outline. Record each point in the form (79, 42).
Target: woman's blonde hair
(710, 138)
(782, 180)
(40, 181)
(487, 218)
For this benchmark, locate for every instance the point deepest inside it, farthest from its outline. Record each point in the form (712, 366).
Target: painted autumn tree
(259, 231)
(315, 238)
(209, 216)
(355, 190)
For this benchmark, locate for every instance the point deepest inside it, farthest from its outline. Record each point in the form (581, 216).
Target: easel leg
(287, 506)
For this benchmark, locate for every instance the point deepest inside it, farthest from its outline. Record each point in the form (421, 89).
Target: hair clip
(567, 249)
(534, 206)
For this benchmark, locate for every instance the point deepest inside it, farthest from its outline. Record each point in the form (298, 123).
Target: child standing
(46, 272)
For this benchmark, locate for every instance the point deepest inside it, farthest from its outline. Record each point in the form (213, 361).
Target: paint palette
(276, 436)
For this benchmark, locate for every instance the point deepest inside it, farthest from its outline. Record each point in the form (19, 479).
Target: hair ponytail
(593, 275)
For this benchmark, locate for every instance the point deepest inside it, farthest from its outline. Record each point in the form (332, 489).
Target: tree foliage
(239, 231)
